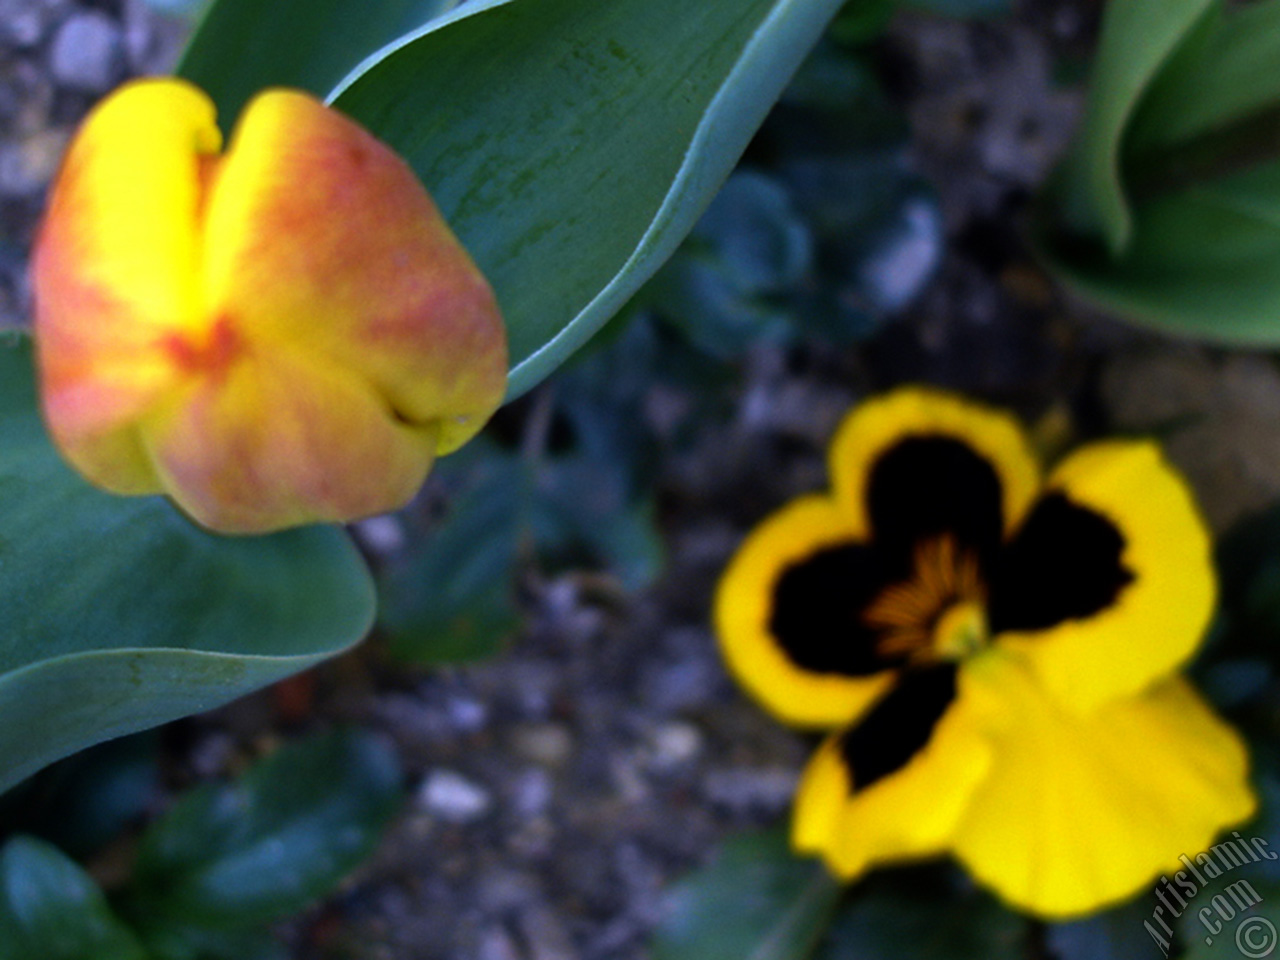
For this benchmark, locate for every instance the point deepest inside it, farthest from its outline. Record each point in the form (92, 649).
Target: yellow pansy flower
(997, 653)
(282, 333)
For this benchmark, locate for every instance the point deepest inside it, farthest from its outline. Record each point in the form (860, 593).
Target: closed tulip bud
(283, 333)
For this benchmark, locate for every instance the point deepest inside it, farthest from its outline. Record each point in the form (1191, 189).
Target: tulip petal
(319, 235)
(1079, 812)
(116, 267)
(1159, 615)
(278, 439)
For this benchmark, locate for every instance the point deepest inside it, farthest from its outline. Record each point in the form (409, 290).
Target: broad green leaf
(922, 914)
(1225, 73)
(266, 846)
(50, 909)
(756, 901)
(572, 143)
(243, 46)
(1138, 37)
(1204, 261)
(119, 614)
(84, 802)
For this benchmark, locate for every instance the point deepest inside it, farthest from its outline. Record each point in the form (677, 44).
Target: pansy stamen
(939, 613)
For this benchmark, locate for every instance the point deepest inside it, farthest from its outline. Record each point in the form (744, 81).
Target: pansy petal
(910, 804)
(1162, 597)
(372, 278)
(919, 460)
(116, 267)
(1079, 812)
(807, 663)
(280, 439)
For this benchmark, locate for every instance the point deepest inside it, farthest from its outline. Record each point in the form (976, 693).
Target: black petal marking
(926, 486)
(899, 726)
(1064, 564)
(818, 605)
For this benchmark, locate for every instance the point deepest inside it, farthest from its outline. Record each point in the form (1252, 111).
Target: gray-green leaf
(572, 144)
(50, 909)
(119, 614)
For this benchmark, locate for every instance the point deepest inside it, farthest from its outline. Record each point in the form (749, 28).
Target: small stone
(496, 944)
(762, 790)
(382, 535)
(27, 167)
(548, 744)
(24, 29)
(674, 744)
(466, 714)
(24, 24)
(452, 797)
(897, 271)
(505, 890)
(546, 935)
(532, 792)
(87, 53)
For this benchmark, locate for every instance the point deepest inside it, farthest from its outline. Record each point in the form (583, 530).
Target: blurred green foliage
(222, 862)
(824, 232)
(1167, 209)
(755, 900)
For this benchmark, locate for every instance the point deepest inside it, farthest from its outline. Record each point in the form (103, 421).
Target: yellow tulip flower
(996, 653)
(283, 333)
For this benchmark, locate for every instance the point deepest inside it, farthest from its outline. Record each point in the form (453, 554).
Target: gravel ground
(558, 788)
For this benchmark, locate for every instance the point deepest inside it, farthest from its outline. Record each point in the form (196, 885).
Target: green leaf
(84, 802)
(119, 614)
(757, 901)
(182, 941)
(268, 845)
(1205, 261)
(50, 909)
(1222, 74)
(862, 21)
(583, 504)
(572, 144)
(242, 46)
(452, 599)
(1138, 37)
(921, 914)
(749, 246)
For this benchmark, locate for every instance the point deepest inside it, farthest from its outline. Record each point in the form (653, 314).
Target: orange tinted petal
(277, 440)
(320, 236)
(116, 265)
